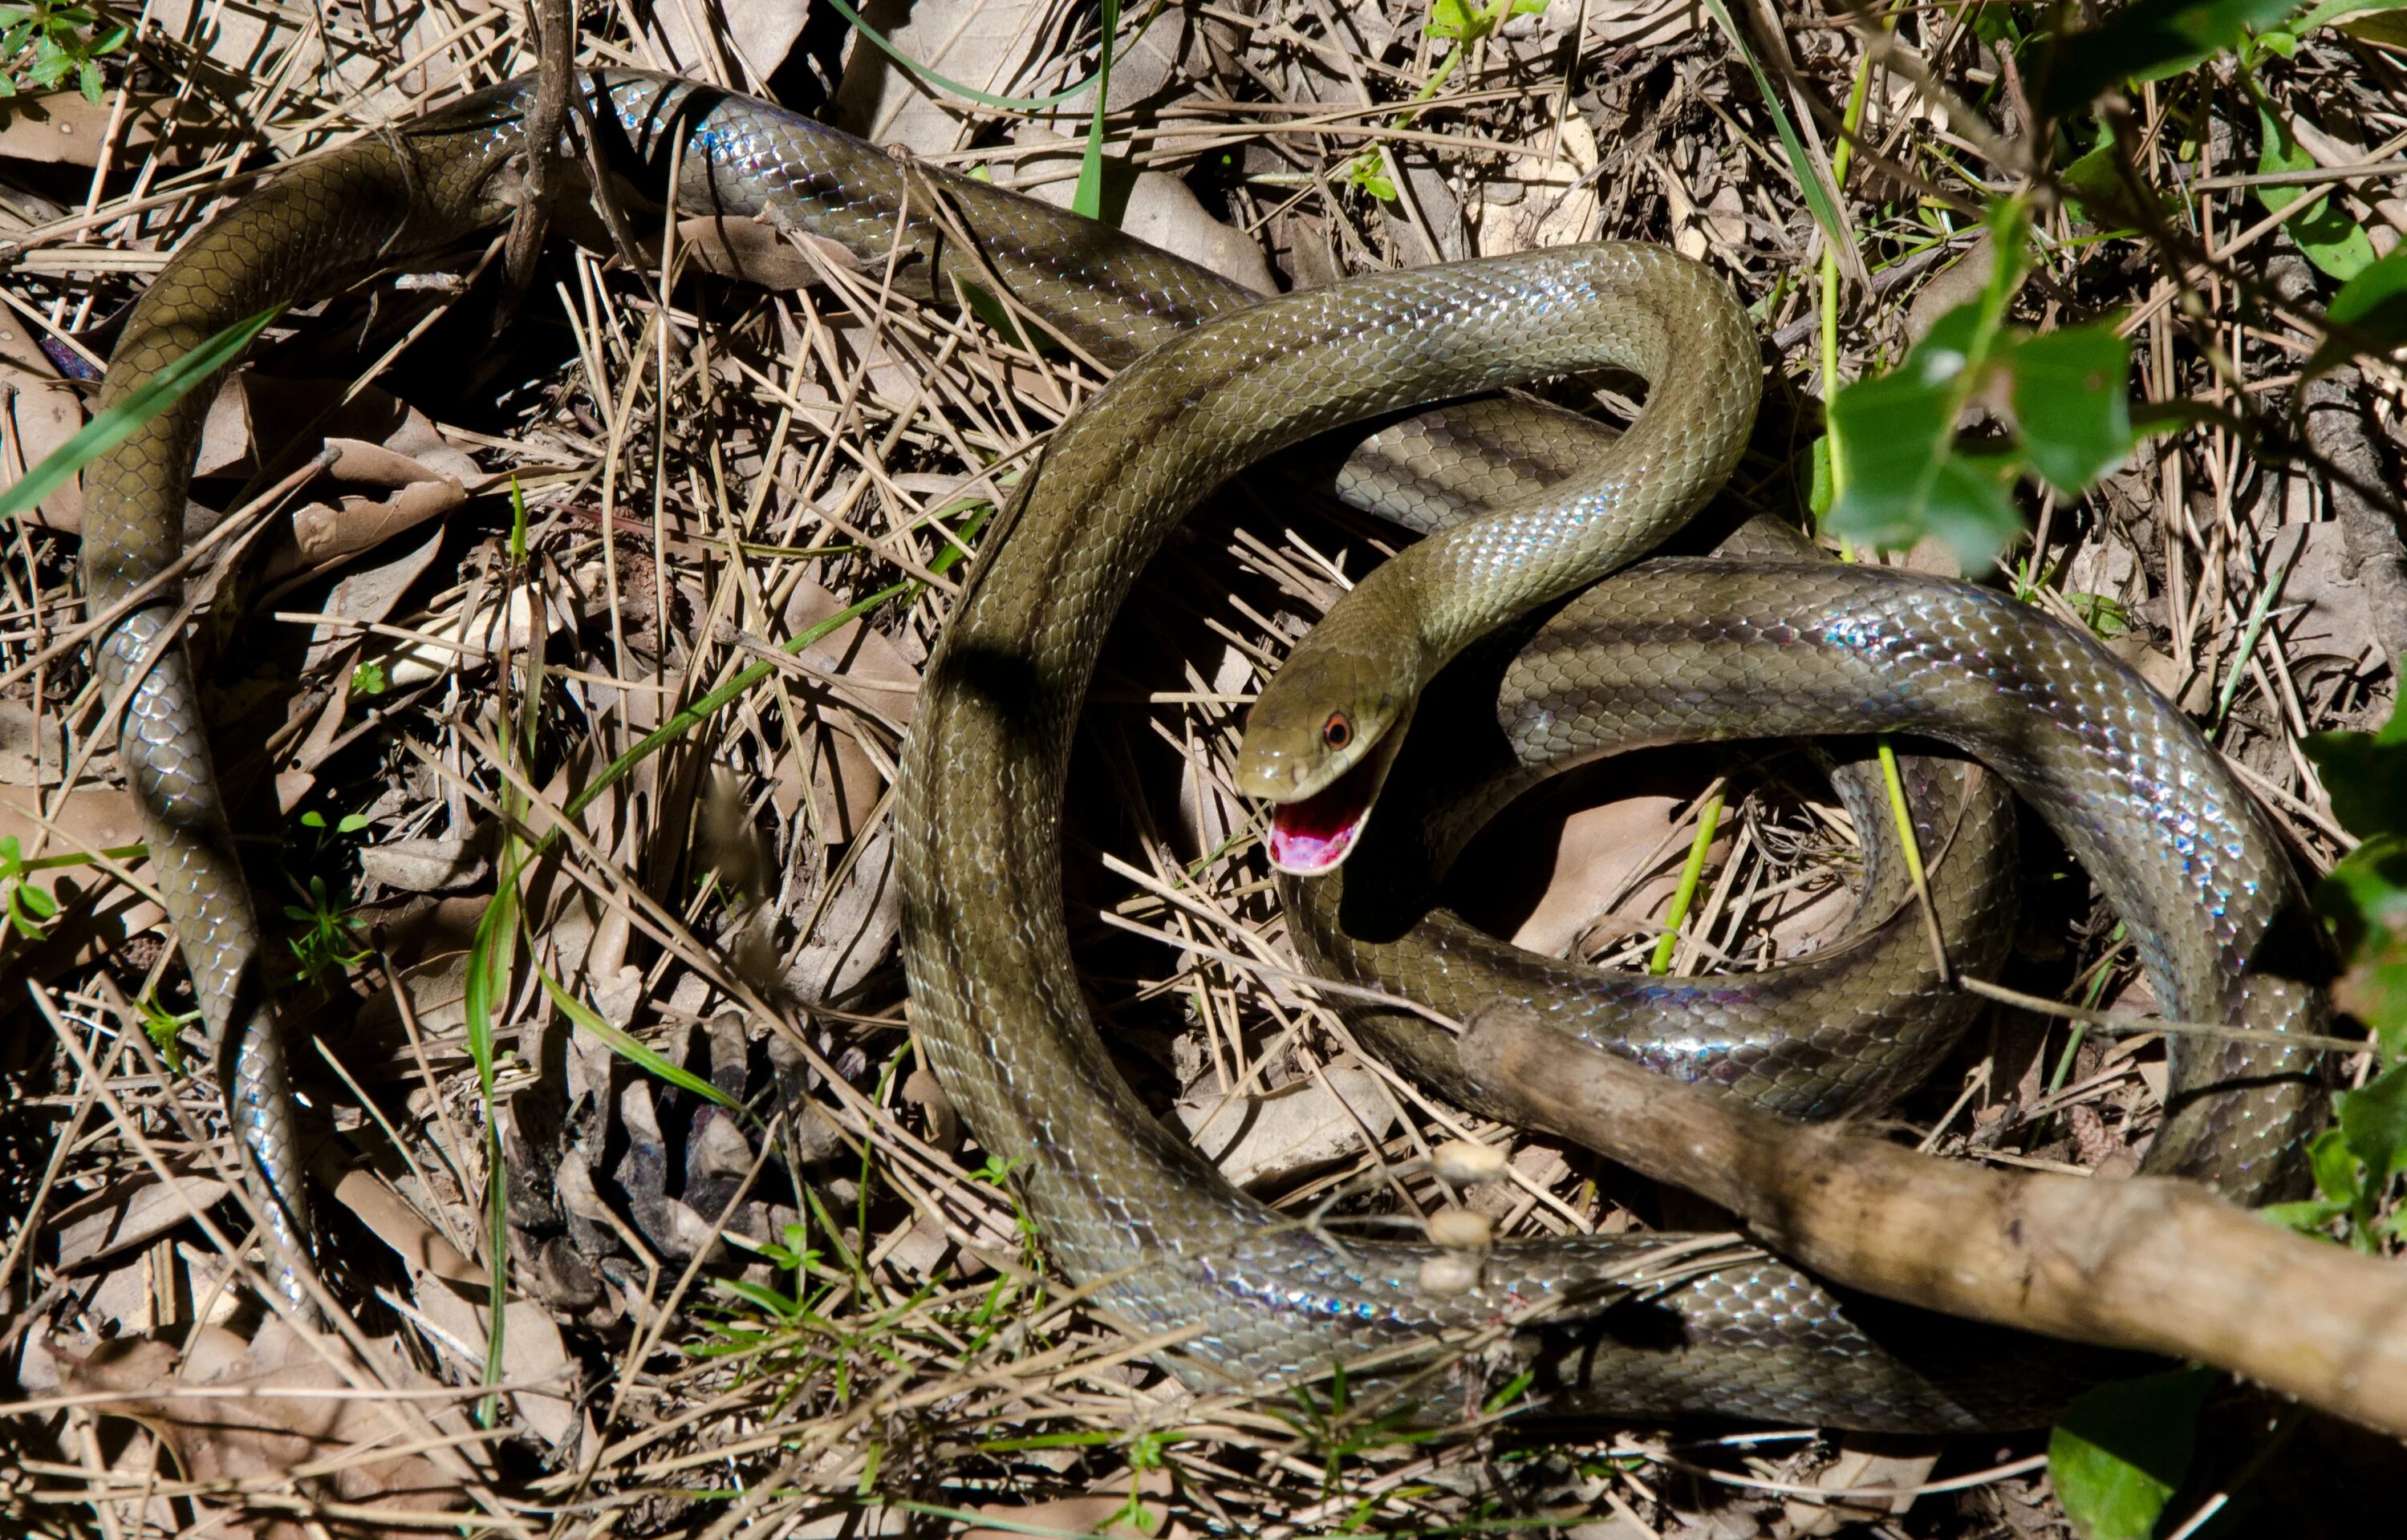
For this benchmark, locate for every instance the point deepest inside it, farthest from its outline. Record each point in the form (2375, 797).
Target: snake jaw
(1312, 836)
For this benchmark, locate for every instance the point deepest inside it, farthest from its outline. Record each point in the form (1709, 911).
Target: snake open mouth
(1313, 837)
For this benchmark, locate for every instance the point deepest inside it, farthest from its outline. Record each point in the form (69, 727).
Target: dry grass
(737, 465)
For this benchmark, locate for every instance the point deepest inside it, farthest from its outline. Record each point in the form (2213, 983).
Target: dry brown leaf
(423, 866)
(1160, 209)
(1293, 1129)
(1876, 1464)
(984, 44)
(1592, 860)
(1546, 201)
(61, 128)
(762, 31)
(858, 927)
(245, 1438)
(128, 1214)
(38, 412)
(1098, 1513)
(453, 1291)
(368, 594)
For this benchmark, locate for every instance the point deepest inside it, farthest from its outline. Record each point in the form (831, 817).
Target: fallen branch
(2146, 1262)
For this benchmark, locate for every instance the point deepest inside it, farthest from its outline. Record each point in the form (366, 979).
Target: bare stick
(2149, 1263)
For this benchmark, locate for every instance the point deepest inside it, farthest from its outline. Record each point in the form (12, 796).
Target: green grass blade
(1089, 199)
(631, 1049)
(1818, 196)
(120, 422)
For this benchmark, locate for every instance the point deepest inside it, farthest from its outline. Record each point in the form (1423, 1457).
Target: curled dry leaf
(246, 1438)
(1261, 1139)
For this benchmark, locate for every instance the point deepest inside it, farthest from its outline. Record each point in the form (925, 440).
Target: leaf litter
(822, 1315)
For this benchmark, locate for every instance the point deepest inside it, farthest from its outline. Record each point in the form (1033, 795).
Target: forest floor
(649, 477)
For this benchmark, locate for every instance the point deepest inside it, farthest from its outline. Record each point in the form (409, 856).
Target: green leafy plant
(2368, 315)
(1463, 27)
(166, 1028)
(30, 909)
(327, 944)
(2123, 1449)
(44, 44)
(1903, 473)
(2364, 902)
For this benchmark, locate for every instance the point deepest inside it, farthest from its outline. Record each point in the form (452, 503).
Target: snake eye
(1338, 730)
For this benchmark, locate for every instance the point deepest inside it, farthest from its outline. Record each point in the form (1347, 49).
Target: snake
(1210, 377)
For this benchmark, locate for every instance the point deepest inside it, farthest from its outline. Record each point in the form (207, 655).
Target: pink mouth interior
(1311, 837)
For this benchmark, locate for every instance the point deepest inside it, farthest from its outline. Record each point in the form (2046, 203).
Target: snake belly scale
(1125, 1208)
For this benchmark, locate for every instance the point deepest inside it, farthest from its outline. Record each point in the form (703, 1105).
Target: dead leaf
(762, 31)
(1098, 1513)
(1637, 23)
(128, 1214)
(38, 412)
(1547, 201)
(61, 128)
(237, 1438)
(453, 1290)
(986, 45)
(1593, 859)
(855, 928)
(366, 595)
(423, 866)
(1160, 210)
(1880, 1466)
(1309, 1123)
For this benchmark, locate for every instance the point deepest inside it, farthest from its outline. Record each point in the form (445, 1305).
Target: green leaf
(2123, 1449)
(2373, 1121)
(2072, 404)
(2336, 1169)
(1088, 199)
(2151, 40)
(2372, 307)
(2364, 900)
(118, 423)
(2306, 1216)
(2366, 775)
(2335, 10)
(2332, 240)
(1904, 476)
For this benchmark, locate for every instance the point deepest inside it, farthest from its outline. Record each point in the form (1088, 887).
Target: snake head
(1319, 743)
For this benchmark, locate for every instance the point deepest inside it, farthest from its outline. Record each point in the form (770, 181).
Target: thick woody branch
(2147, 1263)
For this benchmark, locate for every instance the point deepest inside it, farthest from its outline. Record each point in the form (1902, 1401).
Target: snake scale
(1251, 1298)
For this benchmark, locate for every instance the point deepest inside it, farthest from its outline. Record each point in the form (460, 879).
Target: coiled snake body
(1254, 1299)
